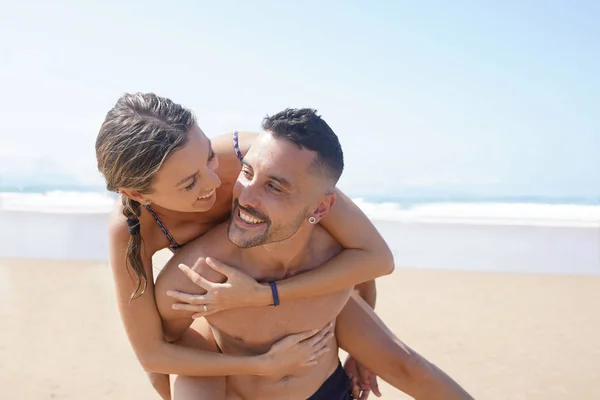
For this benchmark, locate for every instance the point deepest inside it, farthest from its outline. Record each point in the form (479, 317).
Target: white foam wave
(57, 202)
(486, 213)
(451, 213)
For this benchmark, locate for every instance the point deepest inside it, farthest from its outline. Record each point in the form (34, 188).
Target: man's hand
(238, 290)
(363, 381)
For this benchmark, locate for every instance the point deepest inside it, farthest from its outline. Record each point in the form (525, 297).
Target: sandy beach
(466, 132)
(501, 335)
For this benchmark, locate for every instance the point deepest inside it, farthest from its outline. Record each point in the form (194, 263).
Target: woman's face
(187, 181)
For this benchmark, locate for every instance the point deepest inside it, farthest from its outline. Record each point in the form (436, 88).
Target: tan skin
(291, 244)
(365, 257)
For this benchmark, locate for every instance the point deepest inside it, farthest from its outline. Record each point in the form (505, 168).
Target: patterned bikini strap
(174, 244)
(236, 146)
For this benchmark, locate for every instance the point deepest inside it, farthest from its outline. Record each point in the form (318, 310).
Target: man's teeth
(206, 196)
(249, 218)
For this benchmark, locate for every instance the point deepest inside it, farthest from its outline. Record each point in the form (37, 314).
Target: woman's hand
(297, 351)
(362, 380)
(239, 290)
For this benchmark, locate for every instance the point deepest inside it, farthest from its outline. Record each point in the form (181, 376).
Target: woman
(172, 192)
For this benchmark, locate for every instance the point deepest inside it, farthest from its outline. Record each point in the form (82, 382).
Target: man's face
(275, 192)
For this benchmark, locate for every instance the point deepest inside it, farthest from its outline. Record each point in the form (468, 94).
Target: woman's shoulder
(223, 145)
(229, 163)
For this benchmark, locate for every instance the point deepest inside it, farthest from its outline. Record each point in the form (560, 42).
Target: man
(285, 188)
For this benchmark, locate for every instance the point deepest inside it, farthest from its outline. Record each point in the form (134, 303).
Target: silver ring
(205, 308)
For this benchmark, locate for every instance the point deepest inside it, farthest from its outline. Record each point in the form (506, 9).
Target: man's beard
(270, 234)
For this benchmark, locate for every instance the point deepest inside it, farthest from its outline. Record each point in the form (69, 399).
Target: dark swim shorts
(336, 387)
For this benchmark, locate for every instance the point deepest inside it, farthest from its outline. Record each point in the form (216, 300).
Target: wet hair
(306, 129)
(137, 136)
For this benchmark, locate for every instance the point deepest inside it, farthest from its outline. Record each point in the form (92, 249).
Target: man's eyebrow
(281, 180)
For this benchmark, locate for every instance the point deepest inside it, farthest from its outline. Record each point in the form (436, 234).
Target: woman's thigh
(363, 335)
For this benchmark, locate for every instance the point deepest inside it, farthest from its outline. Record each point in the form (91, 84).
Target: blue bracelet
(275, 294)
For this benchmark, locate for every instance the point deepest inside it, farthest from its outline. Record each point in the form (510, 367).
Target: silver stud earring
(312, 220)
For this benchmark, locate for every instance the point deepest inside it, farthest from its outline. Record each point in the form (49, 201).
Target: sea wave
(488, 213)
(485, 213)
(58, 201)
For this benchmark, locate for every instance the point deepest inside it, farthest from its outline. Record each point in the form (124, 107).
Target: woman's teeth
(248, 218)
(207, 195)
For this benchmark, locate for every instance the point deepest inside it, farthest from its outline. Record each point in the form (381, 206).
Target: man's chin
(242, 244)
(244, 241)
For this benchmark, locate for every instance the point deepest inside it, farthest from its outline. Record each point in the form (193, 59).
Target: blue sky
(492, 98)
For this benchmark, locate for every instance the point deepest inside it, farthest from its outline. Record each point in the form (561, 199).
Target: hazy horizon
(488, 99)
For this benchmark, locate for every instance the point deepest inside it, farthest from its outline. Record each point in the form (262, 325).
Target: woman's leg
(361, 333)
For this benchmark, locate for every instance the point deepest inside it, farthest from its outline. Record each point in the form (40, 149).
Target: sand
(501, 335)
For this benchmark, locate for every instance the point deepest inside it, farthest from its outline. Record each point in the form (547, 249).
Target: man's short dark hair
(306, 129)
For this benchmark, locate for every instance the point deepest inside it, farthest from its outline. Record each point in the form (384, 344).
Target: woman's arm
(144, 328)
(365, 257)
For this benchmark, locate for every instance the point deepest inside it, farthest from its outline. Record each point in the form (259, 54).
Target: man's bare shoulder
(323, 246)
(321, 236)
(213, 243)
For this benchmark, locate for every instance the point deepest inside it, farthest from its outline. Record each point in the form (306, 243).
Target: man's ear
(325, 205)
(134, 195)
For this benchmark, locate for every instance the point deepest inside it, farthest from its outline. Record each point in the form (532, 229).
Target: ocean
(512, 234)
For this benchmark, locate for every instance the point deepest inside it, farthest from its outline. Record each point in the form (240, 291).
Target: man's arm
(176, 322)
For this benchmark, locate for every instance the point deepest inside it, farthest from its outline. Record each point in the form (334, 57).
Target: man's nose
(248, 196)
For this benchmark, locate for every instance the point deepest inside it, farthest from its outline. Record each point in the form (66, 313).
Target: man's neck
(277, 260)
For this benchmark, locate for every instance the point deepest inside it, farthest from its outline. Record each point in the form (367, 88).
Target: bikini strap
(236, 146)
(174, 245)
